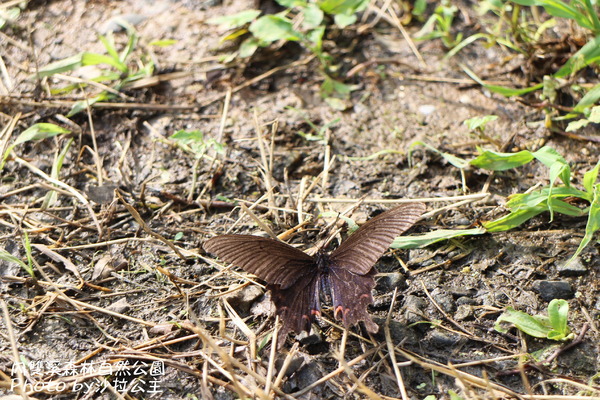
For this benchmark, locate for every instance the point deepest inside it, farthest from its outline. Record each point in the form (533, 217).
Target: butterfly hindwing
(296, 306)
(275, 262)
(359, 252)
(351, 295)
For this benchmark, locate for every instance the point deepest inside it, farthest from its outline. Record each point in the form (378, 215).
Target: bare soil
(116, 285)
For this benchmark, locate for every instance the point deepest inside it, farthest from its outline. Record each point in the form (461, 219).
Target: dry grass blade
(6, 133)
(258, 221)
(57, 257)
(476, 196)
(286, 363)
(360, 385)
(266, 161)
(63, 185)
(335, 372)
(391, 350)
(14, 348)
(104, 310)
(272, 356)
(496, 389)
(229, 361)
(237, 321)
(146, 228)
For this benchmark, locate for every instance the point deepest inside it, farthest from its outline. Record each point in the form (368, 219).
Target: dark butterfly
(295, 278)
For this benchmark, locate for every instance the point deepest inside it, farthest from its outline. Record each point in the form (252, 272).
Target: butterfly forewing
(359, 252)
(272, 261)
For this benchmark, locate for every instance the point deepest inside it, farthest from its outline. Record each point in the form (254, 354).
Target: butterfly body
(297, 280)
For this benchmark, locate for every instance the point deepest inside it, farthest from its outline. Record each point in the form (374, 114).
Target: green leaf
(576, 125)
(337, 103)
(39, 131)
(581, 59)
(343, 20)
(64, 65)
(557, 164)
(270, 28)
(313, 16)
(341, 89)
(536, 327)
(590, 177)
(590, 98)
(188, 136)
(592, 226)
(83, 104)
(347, 7)
(293, 3)
(8, 15)
(352, 225)
(109, 45)
(479, 122)
(504, 91)
(496, 161)
(451, 158)
(595, 115)
(454, 395)
(316, 38)
(6, 256)
(420, 241)
(558, 311)
(163, 42)
(95, 59)
(248, 47)
(59, 159)
(514, 219)
(235, 20)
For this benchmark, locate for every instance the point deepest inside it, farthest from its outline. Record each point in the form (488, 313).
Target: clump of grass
(117, 69)
(303, 22)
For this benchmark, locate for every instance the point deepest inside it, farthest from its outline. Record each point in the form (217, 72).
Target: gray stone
(242, 299)
(463, 312)
(389, 282)
(574, 268)
(549, 290)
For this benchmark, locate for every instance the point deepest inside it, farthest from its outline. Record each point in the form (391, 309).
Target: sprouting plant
(316, 133)
(554, 197)
(38, 131)
(554, 326)
(195, 143)
(439, 25)
(304, 22)
(120, 74)
(524, 35)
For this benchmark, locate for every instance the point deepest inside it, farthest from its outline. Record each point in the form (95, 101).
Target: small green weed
(439, 25)
(553, 327)
(121, 72)
(194, 142)
(34, 132)
(316, 134)
(524, 206)
(304, 22)
(520, 31)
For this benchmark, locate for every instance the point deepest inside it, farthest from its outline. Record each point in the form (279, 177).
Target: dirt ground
(126, 304)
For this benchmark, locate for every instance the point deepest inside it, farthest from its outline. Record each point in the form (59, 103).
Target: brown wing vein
(362, 249)
(272, 261)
